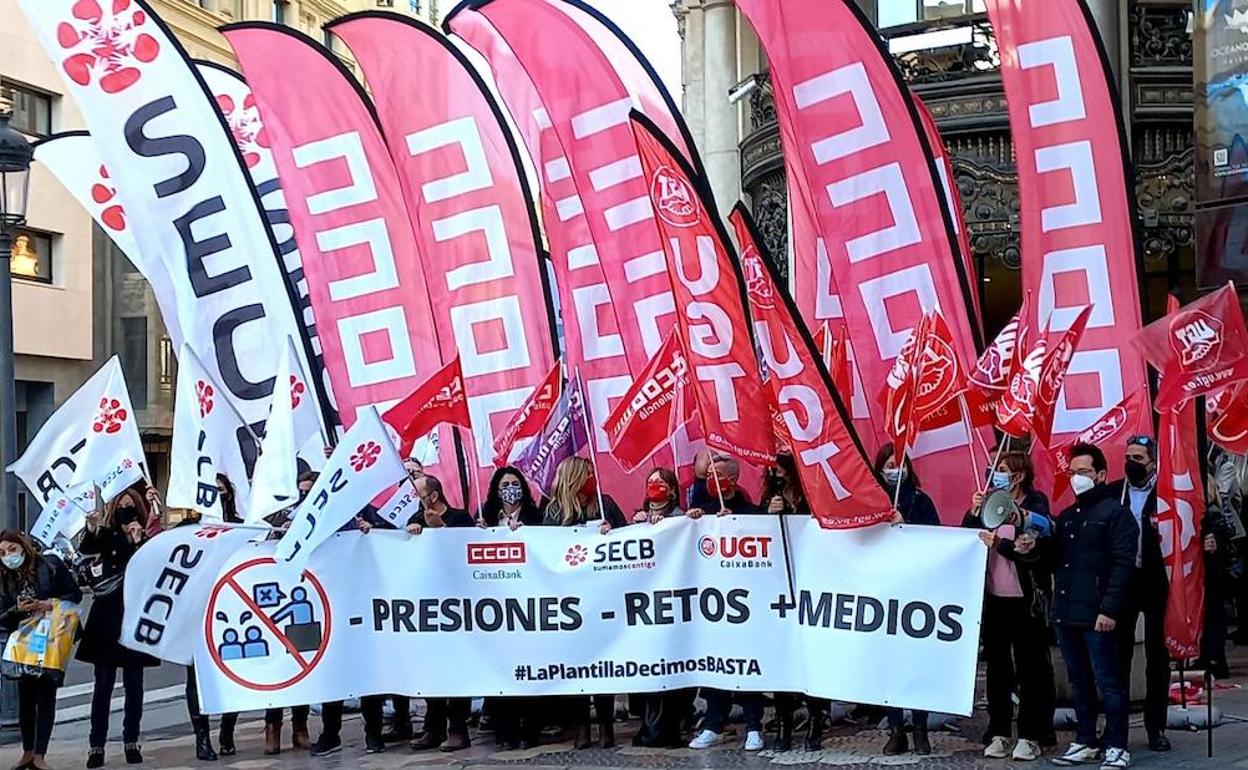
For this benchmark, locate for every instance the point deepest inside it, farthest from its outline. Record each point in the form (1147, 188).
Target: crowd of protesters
(1080, 578)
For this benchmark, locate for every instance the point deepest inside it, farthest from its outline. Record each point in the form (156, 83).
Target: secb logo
(635, 553)
(737, 551)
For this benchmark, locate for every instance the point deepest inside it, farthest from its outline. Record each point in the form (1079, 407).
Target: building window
(32, 256)
(32, 110)
(891, 13)
(168, 364)
(385, 3)
(134, 358)
(414, 5)
(279, 11)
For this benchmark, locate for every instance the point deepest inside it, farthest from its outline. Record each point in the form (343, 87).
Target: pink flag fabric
(1076, 202)
(470, 207)
(866, 175)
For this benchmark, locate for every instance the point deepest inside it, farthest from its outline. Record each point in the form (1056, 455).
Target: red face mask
(718, 485)
(657, 492)
(590, 488)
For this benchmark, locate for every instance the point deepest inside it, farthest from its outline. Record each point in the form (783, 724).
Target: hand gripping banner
(1077, 204)
(835, 473)
(710, 307)
(863, 168)
(363, 266)
(173, 165)
(472, 213)
(569, 80)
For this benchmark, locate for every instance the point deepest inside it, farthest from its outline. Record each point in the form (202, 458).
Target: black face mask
(1137, 472)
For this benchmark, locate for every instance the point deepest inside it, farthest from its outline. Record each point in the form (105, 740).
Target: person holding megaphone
(1015, 633)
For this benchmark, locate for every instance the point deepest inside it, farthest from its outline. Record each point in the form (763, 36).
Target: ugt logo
(675, 203)
(757, 283)
(106, 46)
(1196, 337)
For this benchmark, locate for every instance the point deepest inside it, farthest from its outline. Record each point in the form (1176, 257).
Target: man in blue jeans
(1092, 554)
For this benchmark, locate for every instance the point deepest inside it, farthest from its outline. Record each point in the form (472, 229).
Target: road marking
(74, 713)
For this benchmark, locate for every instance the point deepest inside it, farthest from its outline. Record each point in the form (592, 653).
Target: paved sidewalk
(167, 744)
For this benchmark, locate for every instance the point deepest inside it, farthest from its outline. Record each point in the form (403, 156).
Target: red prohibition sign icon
(305, 666)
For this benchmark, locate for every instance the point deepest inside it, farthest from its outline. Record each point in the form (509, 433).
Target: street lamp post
(15, 157)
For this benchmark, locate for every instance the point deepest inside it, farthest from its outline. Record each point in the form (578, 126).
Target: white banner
(292, 423)
(65, 514)
(167, 583)
(886, 615)
(207, 436)
(176, 170)
(93, 438)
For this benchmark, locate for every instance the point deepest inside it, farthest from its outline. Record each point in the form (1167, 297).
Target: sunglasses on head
(1143, 441)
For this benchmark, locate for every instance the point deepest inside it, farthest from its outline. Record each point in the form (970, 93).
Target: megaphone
(998, 509)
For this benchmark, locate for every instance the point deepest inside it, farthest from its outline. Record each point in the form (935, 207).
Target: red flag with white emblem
(1017, 405)
(1114, 426)
(1200, 348)
(531, 416)
(656, 405)
(439, 400)
(1227, 414)
(1053, 374)
(899, 392)
(1180, 507)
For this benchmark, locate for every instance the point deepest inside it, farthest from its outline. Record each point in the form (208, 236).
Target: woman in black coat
(112, 537)
(29, 582)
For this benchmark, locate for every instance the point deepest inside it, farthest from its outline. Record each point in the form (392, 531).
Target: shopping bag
(42, 643)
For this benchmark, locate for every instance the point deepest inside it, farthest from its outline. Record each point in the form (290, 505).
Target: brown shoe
(272, 740)
(426, 741)
(299, 738)
(455, 742)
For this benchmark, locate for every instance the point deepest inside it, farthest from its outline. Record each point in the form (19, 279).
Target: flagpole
(971, 435)
(589, 435)
(470, 464)
(897, 490)
(320, 423)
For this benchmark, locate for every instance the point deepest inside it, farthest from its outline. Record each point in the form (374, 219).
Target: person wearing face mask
(662, 499)
(1137, 490)
(1015, 631)
(29, 581)
(1092, 553)
(113, 534)
(509, 501)
(913, 507)
(721, 484)
(575, 502)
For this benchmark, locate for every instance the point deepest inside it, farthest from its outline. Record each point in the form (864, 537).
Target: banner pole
(715, 475)
(788, 556)
(897, 490)
(1209, 682)
(589, 437)
(470, 469)
(971, 435)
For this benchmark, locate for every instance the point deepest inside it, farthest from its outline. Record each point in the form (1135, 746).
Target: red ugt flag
(942, 377)
(653, 408)
(710, 313)
(1180, 505)
(1053, 373)
(1017, 405)
(900, 387)
(531, 416)
(439, 399)
(1112, 427)
(1227, 412)
(1199, 348)
(831, 464)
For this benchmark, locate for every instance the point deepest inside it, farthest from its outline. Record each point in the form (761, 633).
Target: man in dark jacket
(1092, 554)
(1137, 492)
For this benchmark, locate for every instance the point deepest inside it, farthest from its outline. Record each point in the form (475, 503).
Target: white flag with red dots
(291, 425)
(364, 464)
(208, 439)
(92, 439)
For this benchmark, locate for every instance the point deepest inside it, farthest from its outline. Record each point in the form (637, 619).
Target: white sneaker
(1027, 751)
(1078, 754)
(753, 741)
(704, 740)
(1116, 758)
(998, 748)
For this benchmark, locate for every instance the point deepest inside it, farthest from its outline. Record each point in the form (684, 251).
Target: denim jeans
(719, 703)
(101, 700)
(1092, 664)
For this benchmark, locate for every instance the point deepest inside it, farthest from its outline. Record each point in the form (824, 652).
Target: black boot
(814, 736)
(203, 743)
(784, 732)
(922, 746)
(606, 731)
(584, 738)
(226, 741)
(897, 743)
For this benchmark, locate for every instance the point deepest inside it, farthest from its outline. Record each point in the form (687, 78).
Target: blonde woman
(574, 503)
(574, 499)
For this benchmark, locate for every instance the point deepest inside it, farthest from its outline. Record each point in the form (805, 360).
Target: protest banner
(566, 611)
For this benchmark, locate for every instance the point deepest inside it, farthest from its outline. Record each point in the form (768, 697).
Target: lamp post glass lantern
(15, 158)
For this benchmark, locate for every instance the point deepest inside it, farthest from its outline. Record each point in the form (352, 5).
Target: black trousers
(1016, 657)
(447, 716)
(36, 713)
(370, 709)
(516, 720)
(199, 720)
(662, 715)
(1147, 597)
(298, 717)
(101, 702)
(402, 719)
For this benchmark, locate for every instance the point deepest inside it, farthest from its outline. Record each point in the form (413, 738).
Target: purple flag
(563, 435)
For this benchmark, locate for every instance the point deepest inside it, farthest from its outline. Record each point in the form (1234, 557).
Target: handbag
(41, 645)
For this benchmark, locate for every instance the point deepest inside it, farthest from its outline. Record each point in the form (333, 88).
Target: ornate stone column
(689, 22)
(719, 145)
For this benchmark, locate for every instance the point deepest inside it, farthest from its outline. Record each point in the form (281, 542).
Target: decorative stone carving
(771, 214)
(1165, 190)
(939, 65)
(762, 103)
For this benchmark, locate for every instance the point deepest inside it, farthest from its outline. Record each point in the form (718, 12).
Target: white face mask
(13, 560)
(1081, 484)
